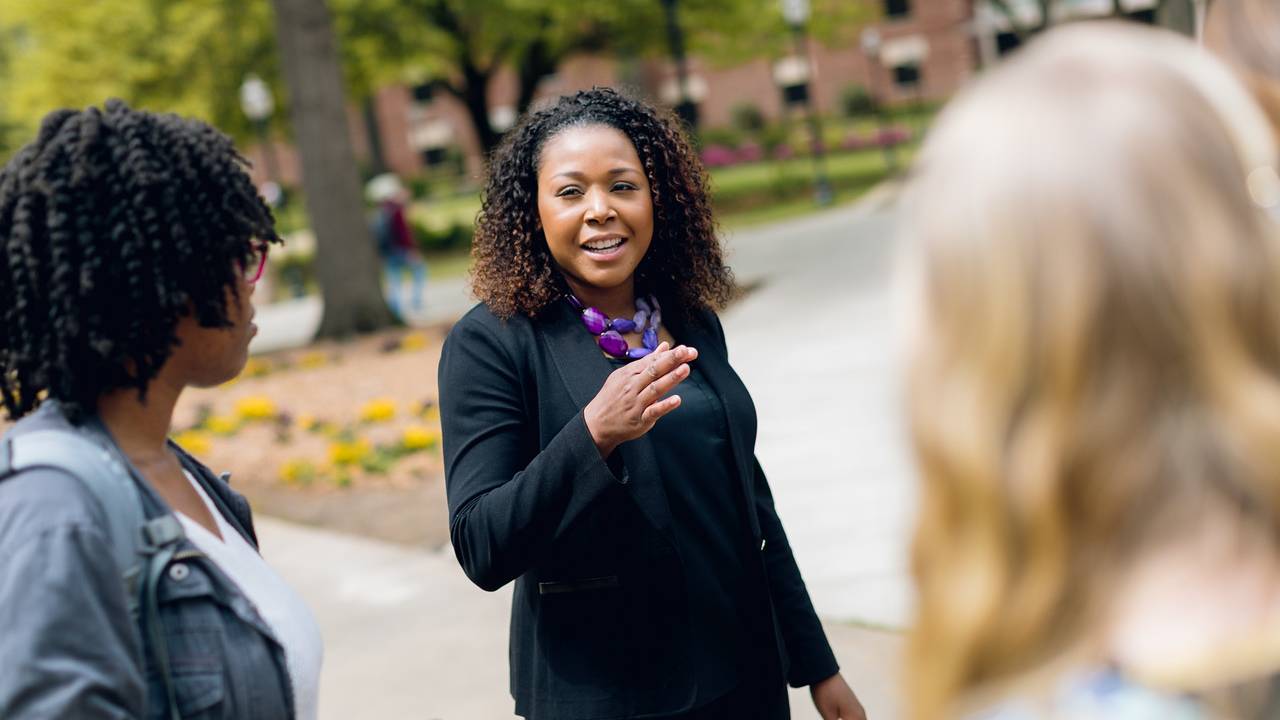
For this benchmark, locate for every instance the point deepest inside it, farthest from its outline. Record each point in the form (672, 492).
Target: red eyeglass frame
(264, 249)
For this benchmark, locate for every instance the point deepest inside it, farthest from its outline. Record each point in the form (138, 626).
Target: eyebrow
(577, 175)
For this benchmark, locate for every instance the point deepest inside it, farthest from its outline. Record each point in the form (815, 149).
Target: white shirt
(278, 604)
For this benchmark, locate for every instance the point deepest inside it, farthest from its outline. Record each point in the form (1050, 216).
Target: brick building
(927, 49)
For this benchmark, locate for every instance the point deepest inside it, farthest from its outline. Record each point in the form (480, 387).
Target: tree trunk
(474, 94)
(347, 264)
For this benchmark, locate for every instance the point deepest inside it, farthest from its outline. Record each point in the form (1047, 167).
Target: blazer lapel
(720, 376)
(584, 370)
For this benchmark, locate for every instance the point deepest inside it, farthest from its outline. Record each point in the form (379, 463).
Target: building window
(897, 9)
(906, 77)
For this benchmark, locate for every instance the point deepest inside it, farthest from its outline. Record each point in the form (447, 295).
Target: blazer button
(179, 572)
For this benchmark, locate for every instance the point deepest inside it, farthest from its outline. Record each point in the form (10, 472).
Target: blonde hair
(1096, 356)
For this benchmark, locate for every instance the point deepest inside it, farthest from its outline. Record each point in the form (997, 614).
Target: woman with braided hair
(130, 584)
(652, 574)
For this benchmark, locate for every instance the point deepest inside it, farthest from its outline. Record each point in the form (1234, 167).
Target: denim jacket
(68, 645)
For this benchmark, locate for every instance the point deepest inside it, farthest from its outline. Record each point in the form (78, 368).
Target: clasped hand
(632, 399)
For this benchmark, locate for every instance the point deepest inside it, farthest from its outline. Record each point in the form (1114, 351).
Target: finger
(664, 384)
(654, 412)
(665, 362)
(647, 367)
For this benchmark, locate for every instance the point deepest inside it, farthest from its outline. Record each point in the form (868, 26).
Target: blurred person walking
(1094, 390)
(130, 581)
(653, 577)
(396, 246)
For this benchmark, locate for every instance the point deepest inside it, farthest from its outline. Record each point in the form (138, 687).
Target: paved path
(409, 637)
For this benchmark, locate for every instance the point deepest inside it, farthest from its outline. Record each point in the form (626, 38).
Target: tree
(461, 45)
(346, 263)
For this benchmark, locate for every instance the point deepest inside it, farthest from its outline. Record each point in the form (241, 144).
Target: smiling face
(595, 208)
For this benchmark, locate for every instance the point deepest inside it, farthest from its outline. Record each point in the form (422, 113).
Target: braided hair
(114, 224)
(513, 271)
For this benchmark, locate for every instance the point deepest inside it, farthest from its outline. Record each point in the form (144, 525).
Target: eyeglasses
(255, 263)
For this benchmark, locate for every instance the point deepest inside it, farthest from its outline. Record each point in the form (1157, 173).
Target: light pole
(686, 108)
(257, 104)
(871, 48)
(796, 13)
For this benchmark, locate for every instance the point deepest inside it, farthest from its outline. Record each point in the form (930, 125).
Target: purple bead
(656, 318)
(643, 305)
(650, 338)
(596, 321)
(641, 318)
(612, 343)
(574, 301)
(623, 325)
(637, 353)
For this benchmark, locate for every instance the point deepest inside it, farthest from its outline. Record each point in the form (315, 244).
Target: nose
(599, 209)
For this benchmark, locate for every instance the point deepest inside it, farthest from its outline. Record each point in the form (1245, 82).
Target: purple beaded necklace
(608, 331)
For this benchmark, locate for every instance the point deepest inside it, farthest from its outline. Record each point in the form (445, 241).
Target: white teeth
(604, 245)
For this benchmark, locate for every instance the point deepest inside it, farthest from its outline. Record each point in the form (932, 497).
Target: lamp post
(796, 13)
(257, 104)
(871, 48)
(686, 108)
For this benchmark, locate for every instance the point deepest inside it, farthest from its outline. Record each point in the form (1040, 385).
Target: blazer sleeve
(506, 510)
(811, 657)
(806, 642)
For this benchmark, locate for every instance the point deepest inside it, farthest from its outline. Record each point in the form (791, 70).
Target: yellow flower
(307, 422)
(193, 441)
(431, 413)
(349, 453)
(256, 367)
(379, 410)
(296, 472)
(413, 341)
(255, 408)
(221, 425)
(313, 359)
(417, 437)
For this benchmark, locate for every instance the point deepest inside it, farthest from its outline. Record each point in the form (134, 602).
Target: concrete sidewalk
(407, 636)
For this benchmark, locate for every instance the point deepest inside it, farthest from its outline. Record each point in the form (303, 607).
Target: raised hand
(630, 403)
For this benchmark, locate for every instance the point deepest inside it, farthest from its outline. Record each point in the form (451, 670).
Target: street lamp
(796, 13)
(257, 103)
(686, 107)
(871, 48)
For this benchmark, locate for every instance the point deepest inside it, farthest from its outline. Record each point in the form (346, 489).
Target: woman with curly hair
(653, 577)
(130, 583)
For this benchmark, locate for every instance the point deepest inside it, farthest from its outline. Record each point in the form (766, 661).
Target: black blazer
(599, 619)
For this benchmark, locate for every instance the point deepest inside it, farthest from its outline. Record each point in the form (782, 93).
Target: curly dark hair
(114, 224)
(514, 272)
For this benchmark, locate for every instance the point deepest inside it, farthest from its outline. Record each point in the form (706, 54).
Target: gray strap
(105, 477)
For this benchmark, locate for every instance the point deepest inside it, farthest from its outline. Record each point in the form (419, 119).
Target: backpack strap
(142, 548)
(105, 478)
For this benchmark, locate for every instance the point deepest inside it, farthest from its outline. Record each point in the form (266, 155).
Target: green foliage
(187, 56)
(855, 101)
(748, 117)
(726, 136)
(456, 237)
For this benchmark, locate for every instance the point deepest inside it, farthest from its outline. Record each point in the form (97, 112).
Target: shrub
(429, 241)
(855, 101)
(726, 136)
(748, 118)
